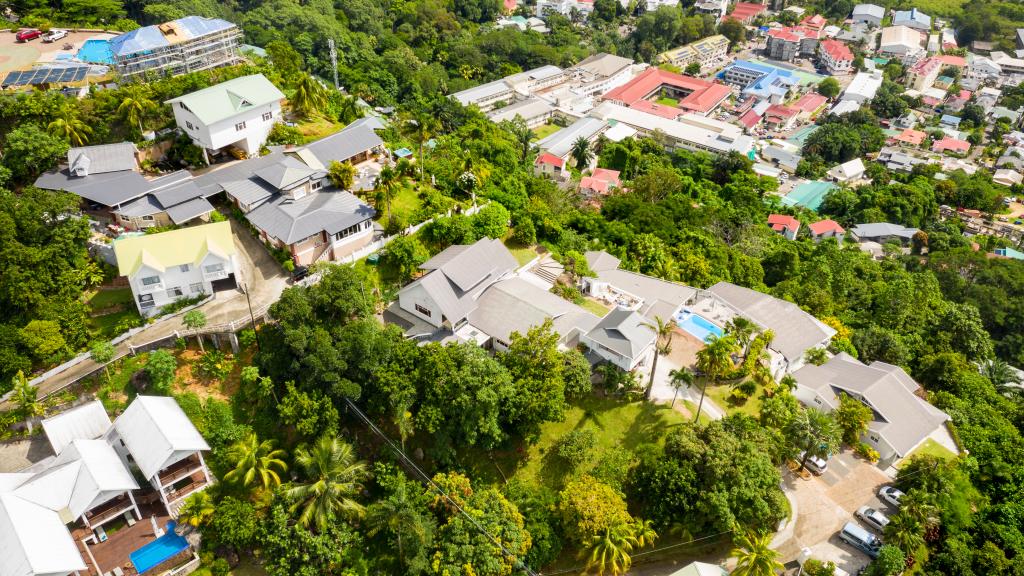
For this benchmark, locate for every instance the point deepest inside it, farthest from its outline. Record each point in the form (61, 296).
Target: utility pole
(245, 290)
(334, 61)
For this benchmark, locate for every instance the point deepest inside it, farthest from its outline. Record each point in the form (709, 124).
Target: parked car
(26, 35)
(299, 273)
(873, 518)
(891, 495)
(814, 464)
(54, 35)
(860, 539)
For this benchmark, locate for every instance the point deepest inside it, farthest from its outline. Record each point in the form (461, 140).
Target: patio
(366, 175)
(121, 542)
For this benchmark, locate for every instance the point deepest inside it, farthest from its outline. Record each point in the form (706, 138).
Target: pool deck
(77, 40)
(115, 551)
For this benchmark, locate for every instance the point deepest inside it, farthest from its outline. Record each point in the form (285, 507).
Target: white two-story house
(162, 268)
(239, 113)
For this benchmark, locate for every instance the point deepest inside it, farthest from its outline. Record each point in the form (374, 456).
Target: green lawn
(115, 305)
(931, 448)
(667, 101)
(618, 425)
(542, 132)
(523, 254)
(101, 299)
(721, 395)
(404, 205)
(594, 306)
(247, 567)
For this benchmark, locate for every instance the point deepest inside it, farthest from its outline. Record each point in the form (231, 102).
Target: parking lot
(825, 503)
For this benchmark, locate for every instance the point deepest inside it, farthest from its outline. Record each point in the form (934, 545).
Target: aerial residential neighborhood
(501, 288)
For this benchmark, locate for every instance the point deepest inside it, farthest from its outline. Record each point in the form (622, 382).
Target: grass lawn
(667, 101)
(542, 132)
(523, 254)
(596, 307)
(721, 395)
(247, 567)
(404, 205)
(932, 448)
(618, 425)
(108, 308)
(116, 394)
(317, 128)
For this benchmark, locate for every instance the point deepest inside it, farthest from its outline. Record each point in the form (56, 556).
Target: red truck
(26, 35)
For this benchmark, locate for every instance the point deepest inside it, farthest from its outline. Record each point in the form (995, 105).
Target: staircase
(548, 270)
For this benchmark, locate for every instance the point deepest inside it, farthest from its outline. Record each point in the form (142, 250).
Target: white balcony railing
(219, 275)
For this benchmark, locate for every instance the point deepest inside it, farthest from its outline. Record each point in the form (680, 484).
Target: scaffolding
(171, 49)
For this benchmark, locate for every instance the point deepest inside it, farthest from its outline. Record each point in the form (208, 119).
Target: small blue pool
(158, 550)
(96, 52)
(697, 325)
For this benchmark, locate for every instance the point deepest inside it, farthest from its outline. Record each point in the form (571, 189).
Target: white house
(188, 262)
(868, 13)
(848, 171)
(623, 338)
(903, 43)
(237, 113)
(863, 87)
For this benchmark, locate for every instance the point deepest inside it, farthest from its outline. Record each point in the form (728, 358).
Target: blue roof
(1010, 253)
(809, 194)
(950, 119)
(912, 15)
(151, 37)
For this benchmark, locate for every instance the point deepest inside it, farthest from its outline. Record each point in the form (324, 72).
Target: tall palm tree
(26, 397)
(609, 551)
(349, 109)
(714, 360)
(814, 432)
(310, 96)
(679, 379)
(581, 153)
(197, 510)
(1002, 376)
(754, 557)
(256, 463)
(69, 126)
(135, 105)
(523, 135)
(389, 182)
(399, 516)
(917, 503)
(905, 532)
(421, 128)
(332, 476)
(743, 331)
(662, 347)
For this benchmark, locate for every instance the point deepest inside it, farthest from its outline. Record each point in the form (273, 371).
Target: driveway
(824, 504)
(684, 353)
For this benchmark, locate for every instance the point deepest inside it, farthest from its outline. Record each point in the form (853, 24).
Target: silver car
(814, 464)
(873, 518)
(890, 495)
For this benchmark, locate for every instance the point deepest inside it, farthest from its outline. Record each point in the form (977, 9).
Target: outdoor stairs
(548, 270)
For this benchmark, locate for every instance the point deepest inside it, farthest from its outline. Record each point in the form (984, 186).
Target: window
(183, 268)
(423, 310)
(150, 280)
(182, 106)
(268, 115)
(366, 225)
(196, 287)
(240, 126)
(316, 185)
(189, 125)
(354, 229)
(174, 292)
(147, 218)
(214, 268)
(146, 301)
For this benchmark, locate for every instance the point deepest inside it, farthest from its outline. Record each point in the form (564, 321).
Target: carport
(223, 284)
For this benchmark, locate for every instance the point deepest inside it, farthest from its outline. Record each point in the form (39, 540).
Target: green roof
(809, 194)
(227, 99)
(167, 249)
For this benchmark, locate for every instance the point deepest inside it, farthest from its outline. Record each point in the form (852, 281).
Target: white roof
(848, 170)
(900, 36)
(153, 428)
(691, 129)
(88, 421)
(845, 107)
(34, 541)
(863, 86)
(619, 132)
(700, 569)
(869, 10)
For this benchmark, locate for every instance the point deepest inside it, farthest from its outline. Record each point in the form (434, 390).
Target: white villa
(238, 113)
(165, 267)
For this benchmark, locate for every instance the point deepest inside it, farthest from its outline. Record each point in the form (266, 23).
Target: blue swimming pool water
(697, 325)
(96, 52)
(158, 550)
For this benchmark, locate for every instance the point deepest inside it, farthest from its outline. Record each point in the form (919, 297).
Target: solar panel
(63, 74)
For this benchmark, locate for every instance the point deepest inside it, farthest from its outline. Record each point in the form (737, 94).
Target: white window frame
(267, 116)
(175, 292)
(240, 126)
(146, 280)
(184, 268)
(211, 268)
(196, 288)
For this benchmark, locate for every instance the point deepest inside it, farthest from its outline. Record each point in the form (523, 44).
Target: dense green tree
(814, 433)
(29, 150)
(829, 87)
(258, 464)
(405, 254)
(161, 367)
(331, 478)
(853, 417)
(342, 174)
(538, 388)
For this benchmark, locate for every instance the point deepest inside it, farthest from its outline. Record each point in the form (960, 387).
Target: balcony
(108, 511)
(216, 275)
(180, 469)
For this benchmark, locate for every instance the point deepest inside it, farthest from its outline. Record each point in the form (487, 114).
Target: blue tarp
(151, 37)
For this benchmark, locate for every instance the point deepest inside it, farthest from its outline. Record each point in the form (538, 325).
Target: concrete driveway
(824, 504)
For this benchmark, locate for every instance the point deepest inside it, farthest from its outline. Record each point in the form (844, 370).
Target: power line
(431, 484)
(652, 551)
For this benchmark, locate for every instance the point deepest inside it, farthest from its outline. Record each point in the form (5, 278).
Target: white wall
(175, 277)
(224, 133)
(414, 295)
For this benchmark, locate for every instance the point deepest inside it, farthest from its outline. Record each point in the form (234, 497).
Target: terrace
(109, 510)
(122, 539)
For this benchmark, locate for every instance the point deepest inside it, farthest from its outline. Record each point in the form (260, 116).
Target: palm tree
(342, 174)
(714, 360)
(754, 557)
(197, 510)
(26, 398)
(1002, 376)
(643, 533)
(135, 105)
(679, 379)
(403, 419)
(421, 128)
(310, 96)
(349, 109)
(523, 135)
(581, 153)
(905, 532)
(743, 331)
(68, 126)
(399, 515)
(662, 347)
(332, 477)
(917, 503)
(389, 181)
(609, 550)
(814, 432)
(256, 463)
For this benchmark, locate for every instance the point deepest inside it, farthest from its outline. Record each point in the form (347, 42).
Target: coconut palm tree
(310, 96)
(1002, 376)
(814, 432)
(743, 331)
(662, 347)
(197, 510)
(754, 557)
(609, 551)
(399, 516)
(135, 105)
(714, 360)
(69, 126)
(679, 379)
(420, 128)
(917, 503)
(389, 182)
(349, 110)
(332, 477)
(581, 153)
(26, 397)
(257, 464)
(643, 532)
(905, 532)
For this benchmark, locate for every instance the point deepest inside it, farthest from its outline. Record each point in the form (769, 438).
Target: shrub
(576, 446)
(247, 337)
(524, 233)
(570, 293)
(283, 134)
(613, 468)
(215, 364)
(866, 452)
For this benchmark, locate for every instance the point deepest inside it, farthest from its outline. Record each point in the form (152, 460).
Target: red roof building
(694, 94)
(826, 229)
(836, 56)
(816, 22)
(788, 226)
(601, 181)
(948, 144)
(750, 119)
(952, 60)
(810, 103)
(550, 159)
(509, 6)
(910, 137)
(746, 12)
(780, 117)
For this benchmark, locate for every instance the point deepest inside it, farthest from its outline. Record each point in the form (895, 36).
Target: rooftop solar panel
(46, 75)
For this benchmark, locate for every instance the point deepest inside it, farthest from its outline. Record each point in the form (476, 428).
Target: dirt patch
(684, 348)
(188, 378)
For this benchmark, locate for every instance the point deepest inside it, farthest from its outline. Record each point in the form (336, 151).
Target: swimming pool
(96, 52)
(158, 550)
(697, 325)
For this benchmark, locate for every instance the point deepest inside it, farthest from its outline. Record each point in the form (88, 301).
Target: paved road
(261, 274)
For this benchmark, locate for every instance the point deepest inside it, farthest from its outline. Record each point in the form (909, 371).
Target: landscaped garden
(111, 311)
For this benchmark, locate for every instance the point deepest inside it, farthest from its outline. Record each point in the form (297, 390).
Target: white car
(891, 495)
(814, 464)
(873, 518)
(54, 35)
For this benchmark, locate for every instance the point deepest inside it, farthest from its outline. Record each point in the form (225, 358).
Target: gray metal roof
(104, 158)
(186, 211)
(515, 305)
(795, 331)
(624, 332)
(899, 415)
(286, 174)
(477, 93)
(599, 261)
(109, 189)
(248, 192)
(467, 266)
(660, 297)
(560, 143)
(354, 139)
(880, 229)
(526, 109)
(292, 220)
(178, 193)
(869, 10)
(145, 206)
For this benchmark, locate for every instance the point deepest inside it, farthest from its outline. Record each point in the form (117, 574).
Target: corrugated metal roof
(110, 189)
(293, 220)
(34, 540)
(623, 332)
(515, 305)
(194, 208)
(153, 428)
(87, 421)
(230, 98)
(145, 206)
(104, 157)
